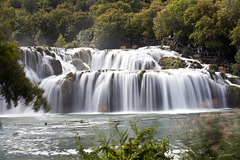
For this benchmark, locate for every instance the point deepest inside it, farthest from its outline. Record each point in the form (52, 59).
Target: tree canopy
(14, 86)
(214, 25)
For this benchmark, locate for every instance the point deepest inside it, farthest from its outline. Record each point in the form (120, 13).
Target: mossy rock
(196, 65)
(140, 76)
(223, 75)
(234, 96)
(213, 67)
(234, 80)
(212, 74)
(57, 66)
(172, 63)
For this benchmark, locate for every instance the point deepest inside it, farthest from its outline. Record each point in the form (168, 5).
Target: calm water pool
(53, 136)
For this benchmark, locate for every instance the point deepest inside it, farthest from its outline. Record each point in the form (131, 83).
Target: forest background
(107, 24)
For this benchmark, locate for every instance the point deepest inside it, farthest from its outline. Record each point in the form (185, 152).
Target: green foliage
(60, 41)
(73, 44)
(15, 3)
(186, 52)
(236, 66)
(171, 20)
(211, 137)
(143, 146)
(30, 5)
(235, 35)
(214, 25)
(85, 37)
(109, 28)
(233, 93)
(172, 63)
(203, 23)
(13, 83)
(140, 76)
(213, 67)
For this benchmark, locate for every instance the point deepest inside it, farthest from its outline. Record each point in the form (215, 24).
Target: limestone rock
(83, 55)
(57, 66)
(42, 49)
(234, 96)
(92, 46)
(67, 85)
(47, 70)
(79, 64)
(172, 63)
(67, 88)
(196, 65)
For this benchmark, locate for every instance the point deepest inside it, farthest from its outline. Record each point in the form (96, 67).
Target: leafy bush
(186, 52)
(236, 67)
(60, 41)
(143, 146)
(211, 137)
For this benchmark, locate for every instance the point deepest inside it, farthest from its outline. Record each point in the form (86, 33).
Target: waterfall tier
(91, 80)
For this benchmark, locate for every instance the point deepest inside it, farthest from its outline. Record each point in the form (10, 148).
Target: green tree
(170, 21)
(228, 16)
(13, 83)
(48, 26)
(15, 3)
(85, 37)
(109, 29)
(21, 31)
(236, 66)
(79, 21)
(205, 33)
(136, 5)
(30, 5)
(81, 5)
(201, 20)
(60, 41)
(140, 25)
(100, 9)
(235, 35)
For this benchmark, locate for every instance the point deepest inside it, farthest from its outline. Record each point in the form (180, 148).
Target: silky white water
(119, 81)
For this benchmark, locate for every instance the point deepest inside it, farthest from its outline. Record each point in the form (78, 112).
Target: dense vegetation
(120, 146)
(14, 86)
(211, 136)
(214, 25)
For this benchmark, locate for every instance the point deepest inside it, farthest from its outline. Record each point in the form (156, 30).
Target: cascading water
(91, 80)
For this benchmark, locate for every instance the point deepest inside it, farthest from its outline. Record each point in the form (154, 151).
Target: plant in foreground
(211, 137)
(143, 146)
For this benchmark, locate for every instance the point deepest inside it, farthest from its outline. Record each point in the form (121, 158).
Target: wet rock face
(57, 67)
(67, 88)
(196, 65)
(78, 63)
(234, 96)
(172, 63)
(83, 55)
(42, 49)
(47, 70)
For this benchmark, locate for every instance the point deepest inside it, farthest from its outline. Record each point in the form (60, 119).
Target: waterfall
(91, 80)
